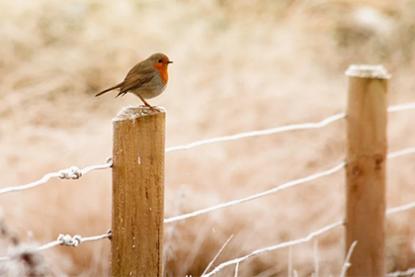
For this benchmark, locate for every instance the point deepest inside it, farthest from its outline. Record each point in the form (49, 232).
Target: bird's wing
(135, 78)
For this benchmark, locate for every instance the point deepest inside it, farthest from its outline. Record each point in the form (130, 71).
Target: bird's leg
(146, 103)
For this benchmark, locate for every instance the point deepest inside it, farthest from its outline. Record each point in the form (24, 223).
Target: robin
(147, 79)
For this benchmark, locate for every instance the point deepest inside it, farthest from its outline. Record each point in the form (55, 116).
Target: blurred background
(238, 66)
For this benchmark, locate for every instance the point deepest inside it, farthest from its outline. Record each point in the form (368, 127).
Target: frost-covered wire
(289, 184)
(75, 172)
(307, 238)
(68, 173)
(65, 240)
(274, 247)
(401, 107)
(276, 189)
(408, 272)
(280, 129)
(402, 208)
(402, 152)
(292, 127)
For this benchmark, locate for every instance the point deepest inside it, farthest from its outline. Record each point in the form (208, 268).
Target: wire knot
(68, 240)
(109, 161)
(73, 173)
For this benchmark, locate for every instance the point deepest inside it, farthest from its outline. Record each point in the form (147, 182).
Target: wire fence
(290, 184)
(61, 240)
(74, 173)
(409, 272)
(76, 240)
(71, 173)
(324, 230)
(258, 133)
(281, 129)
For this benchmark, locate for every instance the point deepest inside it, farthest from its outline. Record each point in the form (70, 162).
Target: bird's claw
(154, 109)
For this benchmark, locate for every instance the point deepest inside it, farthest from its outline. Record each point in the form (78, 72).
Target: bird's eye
(160, 61)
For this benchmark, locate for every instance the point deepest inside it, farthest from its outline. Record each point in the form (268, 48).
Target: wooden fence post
(366, 166)
(138, 193)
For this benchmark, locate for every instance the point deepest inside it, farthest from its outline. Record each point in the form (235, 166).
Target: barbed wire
(286, 185)
(276, 189)
(281, 129)
(302, 240)
(71, 173)
(408, 272)
(61, 240)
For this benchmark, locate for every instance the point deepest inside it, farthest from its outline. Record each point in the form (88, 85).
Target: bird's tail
(109, 89)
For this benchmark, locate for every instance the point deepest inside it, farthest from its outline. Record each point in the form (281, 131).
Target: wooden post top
(367, 71)
(132, 113)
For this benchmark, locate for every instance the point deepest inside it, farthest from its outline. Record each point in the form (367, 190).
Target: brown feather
(109, 89)
(136, 77)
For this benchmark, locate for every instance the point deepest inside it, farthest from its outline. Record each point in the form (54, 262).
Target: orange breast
(162, 69)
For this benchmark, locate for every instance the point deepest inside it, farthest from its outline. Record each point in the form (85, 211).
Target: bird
(147, 79)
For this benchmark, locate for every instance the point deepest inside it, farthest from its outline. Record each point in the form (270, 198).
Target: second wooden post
(138, 182)
(366, 169)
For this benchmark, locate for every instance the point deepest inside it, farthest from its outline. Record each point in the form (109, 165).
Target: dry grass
(239, 65)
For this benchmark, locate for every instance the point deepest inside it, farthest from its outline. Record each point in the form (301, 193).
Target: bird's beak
(170, 62)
